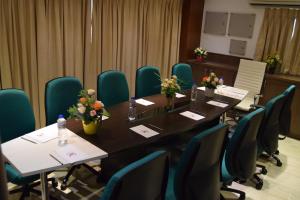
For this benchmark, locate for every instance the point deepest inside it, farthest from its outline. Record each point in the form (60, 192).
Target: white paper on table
(69, 154)
(218, 104)
(144, 102)
(42, 135)
(192, 115)
(144, 131)
(201, 88)
(178, 95)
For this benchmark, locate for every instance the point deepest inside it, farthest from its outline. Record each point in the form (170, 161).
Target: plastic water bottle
(194, 93)
(62, 134)
(132, 109)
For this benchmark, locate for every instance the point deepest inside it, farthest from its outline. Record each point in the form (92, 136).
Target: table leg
(44, 186)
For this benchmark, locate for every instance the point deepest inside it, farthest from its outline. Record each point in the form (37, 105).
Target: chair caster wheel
(264, 171)
(54, 183)
(277, 152)
(242, 197)
(63, 186)
(259, 185)
(279, 163)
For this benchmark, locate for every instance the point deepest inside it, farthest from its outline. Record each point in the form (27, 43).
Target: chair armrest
(256, 106)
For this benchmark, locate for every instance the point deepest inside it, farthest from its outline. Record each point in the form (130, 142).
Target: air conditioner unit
(276, 2)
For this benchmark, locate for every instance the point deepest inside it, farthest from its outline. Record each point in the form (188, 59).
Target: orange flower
(82, 100)
(204, 78)
(97, 105)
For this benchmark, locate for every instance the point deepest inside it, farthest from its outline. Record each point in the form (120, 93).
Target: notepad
(69, 154)
(178, 95)
(218, 104)
(192, 115)
(42, 135)
(144, 131)
(144, 102)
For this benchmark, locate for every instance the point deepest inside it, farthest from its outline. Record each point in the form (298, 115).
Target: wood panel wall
(191, 23)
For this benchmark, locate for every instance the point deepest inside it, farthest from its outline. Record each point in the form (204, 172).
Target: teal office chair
(144, 179)
(17, 119)
(239, 160)
(147, 81)
(112, 88)
(269, 129)
(197, 175)
(60, 94)
(285, 115)
(184, 75)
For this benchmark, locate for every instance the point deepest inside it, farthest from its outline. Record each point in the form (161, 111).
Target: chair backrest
(60, 94)
(241, 149)
(286, 113)
(144, 179)
(16, 114)
(112, 88)
(250, 76)
(269, 129)
(198, 172)
(147, 81)
(184, 75)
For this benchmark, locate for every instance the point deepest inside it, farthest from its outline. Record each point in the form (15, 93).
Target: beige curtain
(280, 34)
(130, 33)
(41, 40)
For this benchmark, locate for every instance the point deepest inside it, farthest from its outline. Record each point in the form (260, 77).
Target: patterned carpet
(82, 186)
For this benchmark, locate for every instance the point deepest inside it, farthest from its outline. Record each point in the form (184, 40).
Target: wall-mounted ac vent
(276, 2)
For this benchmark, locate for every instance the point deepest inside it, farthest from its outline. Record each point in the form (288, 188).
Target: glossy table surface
(115, 135)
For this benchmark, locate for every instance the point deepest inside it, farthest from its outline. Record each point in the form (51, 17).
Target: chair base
(257, 181)
(273, 157)
(27, 189)
(281, 138)
(241, 193)
(64, 184)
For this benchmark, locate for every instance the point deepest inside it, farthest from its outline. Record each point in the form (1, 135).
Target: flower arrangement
(88, 109)
(211, 81)
(273, 61)
(199, 51)
(169, 87)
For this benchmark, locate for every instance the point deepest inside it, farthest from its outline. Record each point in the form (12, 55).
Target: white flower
(81, 109)
(91, 92)
(216, 79)
(79, 105)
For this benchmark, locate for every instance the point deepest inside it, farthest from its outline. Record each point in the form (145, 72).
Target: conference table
(115, 134)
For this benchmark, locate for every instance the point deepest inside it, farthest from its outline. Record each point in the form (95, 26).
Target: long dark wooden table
(114, 135)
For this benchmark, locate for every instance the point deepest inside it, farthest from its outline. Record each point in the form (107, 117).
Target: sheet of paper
(69, 154)
(144, 131)
(218, 104)
(43, 135)
(192, 115)
(229, 91)
(178, 95)
(144, 102)
(104, 117)
(201, 88)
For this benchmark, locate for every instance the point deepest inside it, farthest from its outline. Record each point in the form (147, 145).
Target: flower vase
(170, 103)
(209, 92)
(271, 68)
(200, 58)
(90, 128)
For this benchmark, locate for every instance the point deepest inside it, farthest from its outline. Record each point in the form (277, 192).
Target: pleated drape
(280, 34)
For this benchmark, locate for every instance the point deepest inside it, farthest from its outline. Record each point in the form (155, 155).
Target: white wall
(220, 44)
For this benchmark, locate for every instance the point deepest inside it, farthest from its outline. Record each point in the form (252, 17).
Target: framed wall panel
(215, 23)
(241, 25)
(238, 47)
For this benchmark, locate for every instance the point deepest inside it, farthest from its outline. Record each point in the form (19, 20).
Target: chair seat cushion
(15, 177)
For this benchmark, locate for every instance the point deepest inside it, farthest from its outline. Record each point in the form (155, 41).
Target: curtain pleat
(280, 34)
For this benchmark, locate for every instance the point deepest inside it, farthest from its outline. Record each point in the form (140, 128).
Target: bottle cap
(60, 116)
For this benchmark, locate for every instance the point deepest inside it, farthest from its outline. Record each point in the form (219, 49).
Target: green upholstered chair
(197, 174)
(17, 119)
(60, 94)
(112, 88)
(239, 160)
(270, 129)
(184, 74)
(144, 179)
(147, 81)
